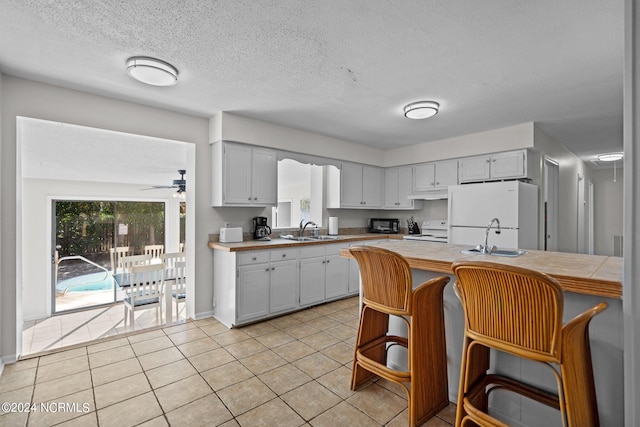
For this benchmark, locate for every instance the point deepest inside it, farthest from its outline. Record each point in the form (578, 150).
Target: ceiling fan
(180, 184)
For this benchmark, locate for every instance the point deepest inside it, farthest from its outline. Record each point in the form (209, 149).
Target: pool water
(86, 283)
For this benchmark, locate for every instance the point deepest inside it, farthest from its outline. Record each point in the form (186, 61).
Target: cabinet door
(508, 165)
(284, 286)
(336, 276)
(351, 185)
(446, 174)
(405, 178)
(237, 174)
(423, 177)
(391, 177)
(354, 277)
(474, 169)
(372, 181)
(253, 292)
(312, 280)
(265, 177)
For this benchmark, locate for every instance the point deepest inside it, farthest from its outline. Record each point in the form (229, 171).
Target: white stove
(434, 230)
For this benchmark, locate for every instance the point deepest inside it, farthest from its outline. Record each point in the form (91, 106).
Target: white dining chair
(179, 291)
(154, 250)
(145, 290)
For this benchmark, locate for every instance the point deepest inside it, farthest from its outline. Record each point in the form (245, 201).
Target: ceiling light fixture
(152, 71)
(610, 157)
(421, 110)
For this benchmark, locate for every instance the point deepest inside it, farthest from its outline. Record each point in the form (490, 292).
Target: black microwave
(383, 225)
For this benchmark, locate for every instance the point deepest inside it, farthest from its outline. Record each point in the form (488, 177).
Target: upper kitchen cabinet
(243, 175)
(434, 176)
(397, 189)
(499, 166)
(360, 186)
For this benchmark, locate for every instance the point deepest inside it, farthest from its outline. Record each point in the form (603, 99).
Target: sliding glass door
(89, 237)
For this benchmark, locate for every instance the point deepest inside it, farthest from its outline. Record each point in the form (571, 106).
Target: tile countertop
(585, 274)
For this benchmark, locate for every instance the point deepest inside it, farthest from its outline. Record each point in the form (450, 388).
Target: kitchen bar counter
(584, 274)
(586, 279)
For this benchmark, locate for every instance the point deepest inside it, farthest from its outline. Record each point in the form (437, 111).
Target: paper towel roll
(333, 225)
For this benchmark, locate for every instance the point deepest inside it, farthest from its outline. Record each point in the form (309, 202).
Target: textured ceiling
(344, 69)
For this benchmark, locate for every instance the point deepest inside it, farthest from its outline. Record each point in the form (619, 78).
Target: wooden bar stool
(387, 290)
(519, 311)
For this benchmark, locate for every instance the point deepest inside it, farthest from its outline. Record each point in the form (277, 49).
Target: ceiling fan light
(152, 71)
(610, 157)
(421, 110)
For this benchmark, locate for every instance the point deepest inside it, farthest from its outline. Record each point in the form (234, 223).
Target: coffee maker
(261, 230)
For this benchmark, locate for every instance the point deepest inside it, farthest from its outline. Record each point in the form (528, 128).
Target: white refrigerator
(514, 203)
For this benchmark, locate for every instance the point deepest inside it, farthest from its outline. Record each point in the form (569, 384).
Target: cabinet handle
(255, 198)
(488, 160)
(494, 160)
(432, 183)
(273, 268)
(254, 258)
(249, 199)
(437, 183)
(284, 255)
(328, 261)
(324, 262)
(267, 269)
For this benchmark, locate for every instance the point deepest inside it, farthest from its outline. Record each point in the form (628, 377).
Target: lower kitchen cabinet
(254, 285)
(324, 275)
(283, 289)
(253, 292)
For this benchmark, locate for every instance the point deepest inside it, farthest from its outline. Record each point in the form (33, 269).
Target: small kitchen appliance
(412, 225)
(260, 228)
(434, 230)
(383, 225)
(230, 234)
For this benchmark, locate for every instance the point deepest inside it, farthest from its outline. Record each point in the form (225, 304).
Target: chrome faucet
(303, 227)
(485, 249)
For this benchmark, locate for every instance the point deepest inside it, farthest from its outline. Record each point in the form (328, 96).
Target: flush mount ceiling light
(610, 157)
(421, 110)
(152, 71)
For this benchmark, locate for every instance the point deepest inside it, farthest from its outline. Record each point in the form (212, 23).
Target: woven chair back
(511, 308)
(386, 279)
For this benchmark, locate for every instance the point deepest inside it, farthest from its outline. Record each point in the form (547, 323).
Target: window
(300, 192)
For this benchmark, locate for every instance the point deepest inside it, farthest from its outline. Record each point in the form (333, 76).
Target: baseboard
(203, 315)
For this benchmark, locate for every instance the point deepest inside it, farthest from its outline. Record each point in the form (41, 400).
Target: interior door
(551, 183)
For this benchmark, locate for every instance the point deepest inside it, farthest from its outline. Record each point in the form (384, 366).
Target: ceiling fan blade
(158, 187)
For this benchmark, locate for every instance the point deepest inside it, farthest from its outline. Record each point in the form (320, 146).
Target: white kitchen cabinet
(360, 186)
(253, 285)
(508, 165)
(312, 280)
(243, 175)
(434, 176)
(283, 286)
(324, 275)
(253, 292)
(398, 188)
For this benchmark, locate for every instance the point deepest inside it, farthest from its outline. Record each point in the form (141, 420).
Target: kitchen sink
(297, 238)
(308, 238)
(498, 252)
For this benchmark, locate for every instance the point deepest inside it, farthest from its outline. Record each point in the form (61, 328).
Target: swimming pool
(86, 283)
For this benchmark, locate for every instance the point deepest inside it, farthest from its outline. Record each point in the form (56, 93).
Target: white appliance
(434, 230)
(229, 235)
(514, 203)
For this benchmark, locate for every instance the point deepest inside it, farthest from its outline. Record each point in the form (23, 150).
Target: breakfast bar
(586, 280)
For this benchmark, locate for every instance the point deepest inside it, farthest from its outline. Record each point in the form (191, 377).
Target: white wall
(608, 219)
(570, 167)
(31, 99)
(232, 127)
(492, 141)
(36, 236)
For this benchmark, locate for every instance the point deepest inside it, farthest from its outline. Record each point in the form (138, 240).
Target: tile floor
(289, 371)
(78, 327)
